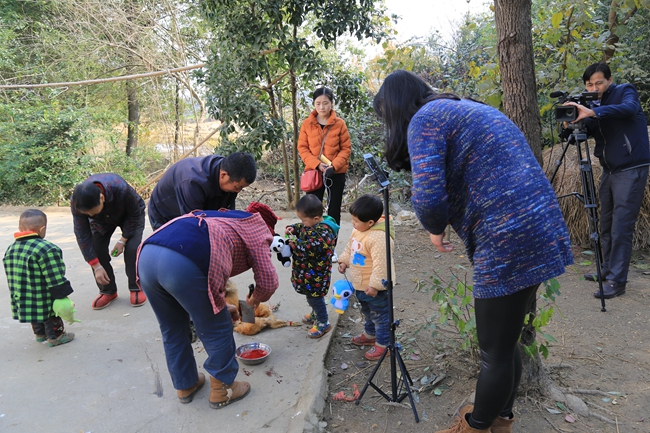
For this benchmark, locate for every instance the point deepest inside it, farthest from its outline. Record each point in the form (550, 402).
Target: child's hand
(342, 268)
(371, 291)
(289, 230)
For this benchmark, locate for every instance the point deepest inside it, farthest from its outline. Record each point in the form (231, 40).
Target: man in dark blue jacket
(205, 183)
(620, 129)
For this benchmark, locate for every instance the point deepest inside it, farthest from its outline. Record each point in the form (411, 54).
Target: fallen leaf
(569, 418)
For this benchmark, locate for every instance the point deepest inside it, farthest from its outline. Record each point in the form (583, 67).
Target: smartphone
(380, 175)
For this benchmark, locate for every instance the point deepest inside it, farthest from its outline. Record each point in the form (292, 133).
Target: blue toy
(341, 291)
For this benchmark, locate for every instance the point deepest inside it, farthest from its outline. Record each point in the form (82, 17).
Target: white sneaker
(335, 258)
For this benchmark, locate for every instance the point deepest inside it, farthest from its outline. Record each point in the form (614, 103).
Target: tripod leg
(372, 375)
(406, 377)
(590, 202)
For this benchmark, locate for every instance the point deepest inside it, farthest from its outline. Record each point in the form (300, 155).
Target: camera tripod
(578, 137)
(397, 395)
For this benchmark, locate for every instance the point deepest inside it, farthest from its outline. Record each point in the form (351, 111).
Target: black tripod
(397, 395)
(578, 137)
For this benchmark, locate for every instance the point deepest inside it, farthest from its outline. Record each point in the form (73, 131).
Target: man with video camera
(617, 123)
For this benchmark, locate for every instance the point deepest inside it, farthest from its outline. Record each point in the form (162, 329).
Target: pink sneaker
(375, 352)
(362, 340)
(138, 298)
(103, 300)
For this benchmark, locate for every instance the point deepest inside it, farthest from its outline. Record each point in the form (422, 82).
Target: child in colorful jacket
(312, 250)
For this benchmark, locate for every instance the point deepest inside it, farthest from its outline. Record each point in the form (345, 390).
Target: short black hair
(240, 165)
(323, 91)
(367, 207)
(32, 219)
(85, 196)
(596, 67)
(310, 206)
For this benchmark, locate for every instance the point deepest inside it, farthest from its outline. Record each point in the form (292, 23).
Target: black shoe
(611, 289)
(591, 277)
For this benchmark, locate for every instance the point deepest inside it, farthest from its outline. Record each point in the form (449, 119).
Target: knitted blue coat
(472, 168)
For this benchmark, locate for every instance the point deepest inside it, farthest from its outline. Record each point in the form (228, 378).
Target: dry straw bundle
(568, 180)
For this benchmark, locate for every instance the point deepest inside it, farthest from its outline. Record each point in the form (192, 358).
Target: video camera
(569, 113)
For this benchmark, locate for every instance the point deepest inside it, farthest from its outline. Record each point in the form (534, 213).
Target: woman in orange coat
(336, 150)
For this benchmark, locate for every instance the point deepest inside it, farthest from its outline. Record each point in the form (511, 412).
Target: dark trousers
(498, 324)
(52, 328)
(620, 196)
(334, 185)
(102, 245)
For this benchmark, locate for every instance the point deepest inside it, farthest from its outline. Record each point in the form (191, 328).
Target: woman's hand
(323, 167)
(250, 300)
(342, 268)
(440, 243)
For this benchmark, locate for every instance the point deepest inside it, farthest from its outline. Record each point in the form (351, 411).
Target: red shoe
(375, 353)
(138, 298)
(362, 340)
(103, 300)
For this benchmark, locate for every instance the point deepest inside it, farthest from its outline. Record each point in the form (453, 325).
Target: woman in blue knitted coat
(472, 168)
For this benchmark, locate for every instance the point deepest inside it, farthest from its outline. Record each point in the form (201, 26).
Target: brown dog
(264, 318)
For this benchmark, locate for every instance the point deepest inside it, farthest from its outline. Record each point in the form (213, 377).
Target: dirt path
(597, 351)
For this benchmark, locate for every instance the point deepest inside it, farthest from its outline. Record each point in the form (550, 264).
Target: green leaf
(556, 20)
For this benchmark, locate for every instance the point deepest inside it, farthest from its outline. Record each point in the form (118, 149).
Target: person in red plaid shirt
(183, 268)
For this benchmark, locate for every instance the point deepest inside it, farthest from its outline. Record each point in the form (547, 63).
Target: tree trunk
(294, 147)
(515, 51)
(177, 120)
(133, 116)
(613, 23)
(294, 111)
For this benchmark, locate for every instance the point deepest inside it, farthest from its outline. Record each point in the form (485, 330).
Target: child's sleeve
(345, 257)
(53, 273)
(377, 247)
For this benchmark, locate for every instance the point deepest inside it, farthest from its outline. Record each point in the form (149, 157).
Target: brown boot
(222, 394)
(502, 425)
(187, 395)
(459, 423)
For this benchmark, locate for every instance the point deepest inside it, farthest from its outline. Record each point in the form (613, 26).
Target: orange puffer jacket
(337, 144)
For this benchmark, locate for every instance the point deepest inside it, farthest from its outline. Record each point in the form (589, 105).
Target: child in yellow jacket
(365, 256)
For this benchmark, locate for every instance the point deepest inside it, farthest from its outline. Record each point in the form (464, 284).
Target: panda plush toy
(283, 250)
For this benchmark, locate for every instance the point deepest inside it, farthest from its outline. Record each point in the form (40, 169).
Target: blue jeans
(375, 311)
(320, 308)
(178, 290)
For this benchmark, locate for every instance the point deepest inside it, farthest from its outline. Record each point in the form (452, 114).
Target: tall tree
(517, 65)
(262, 52)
